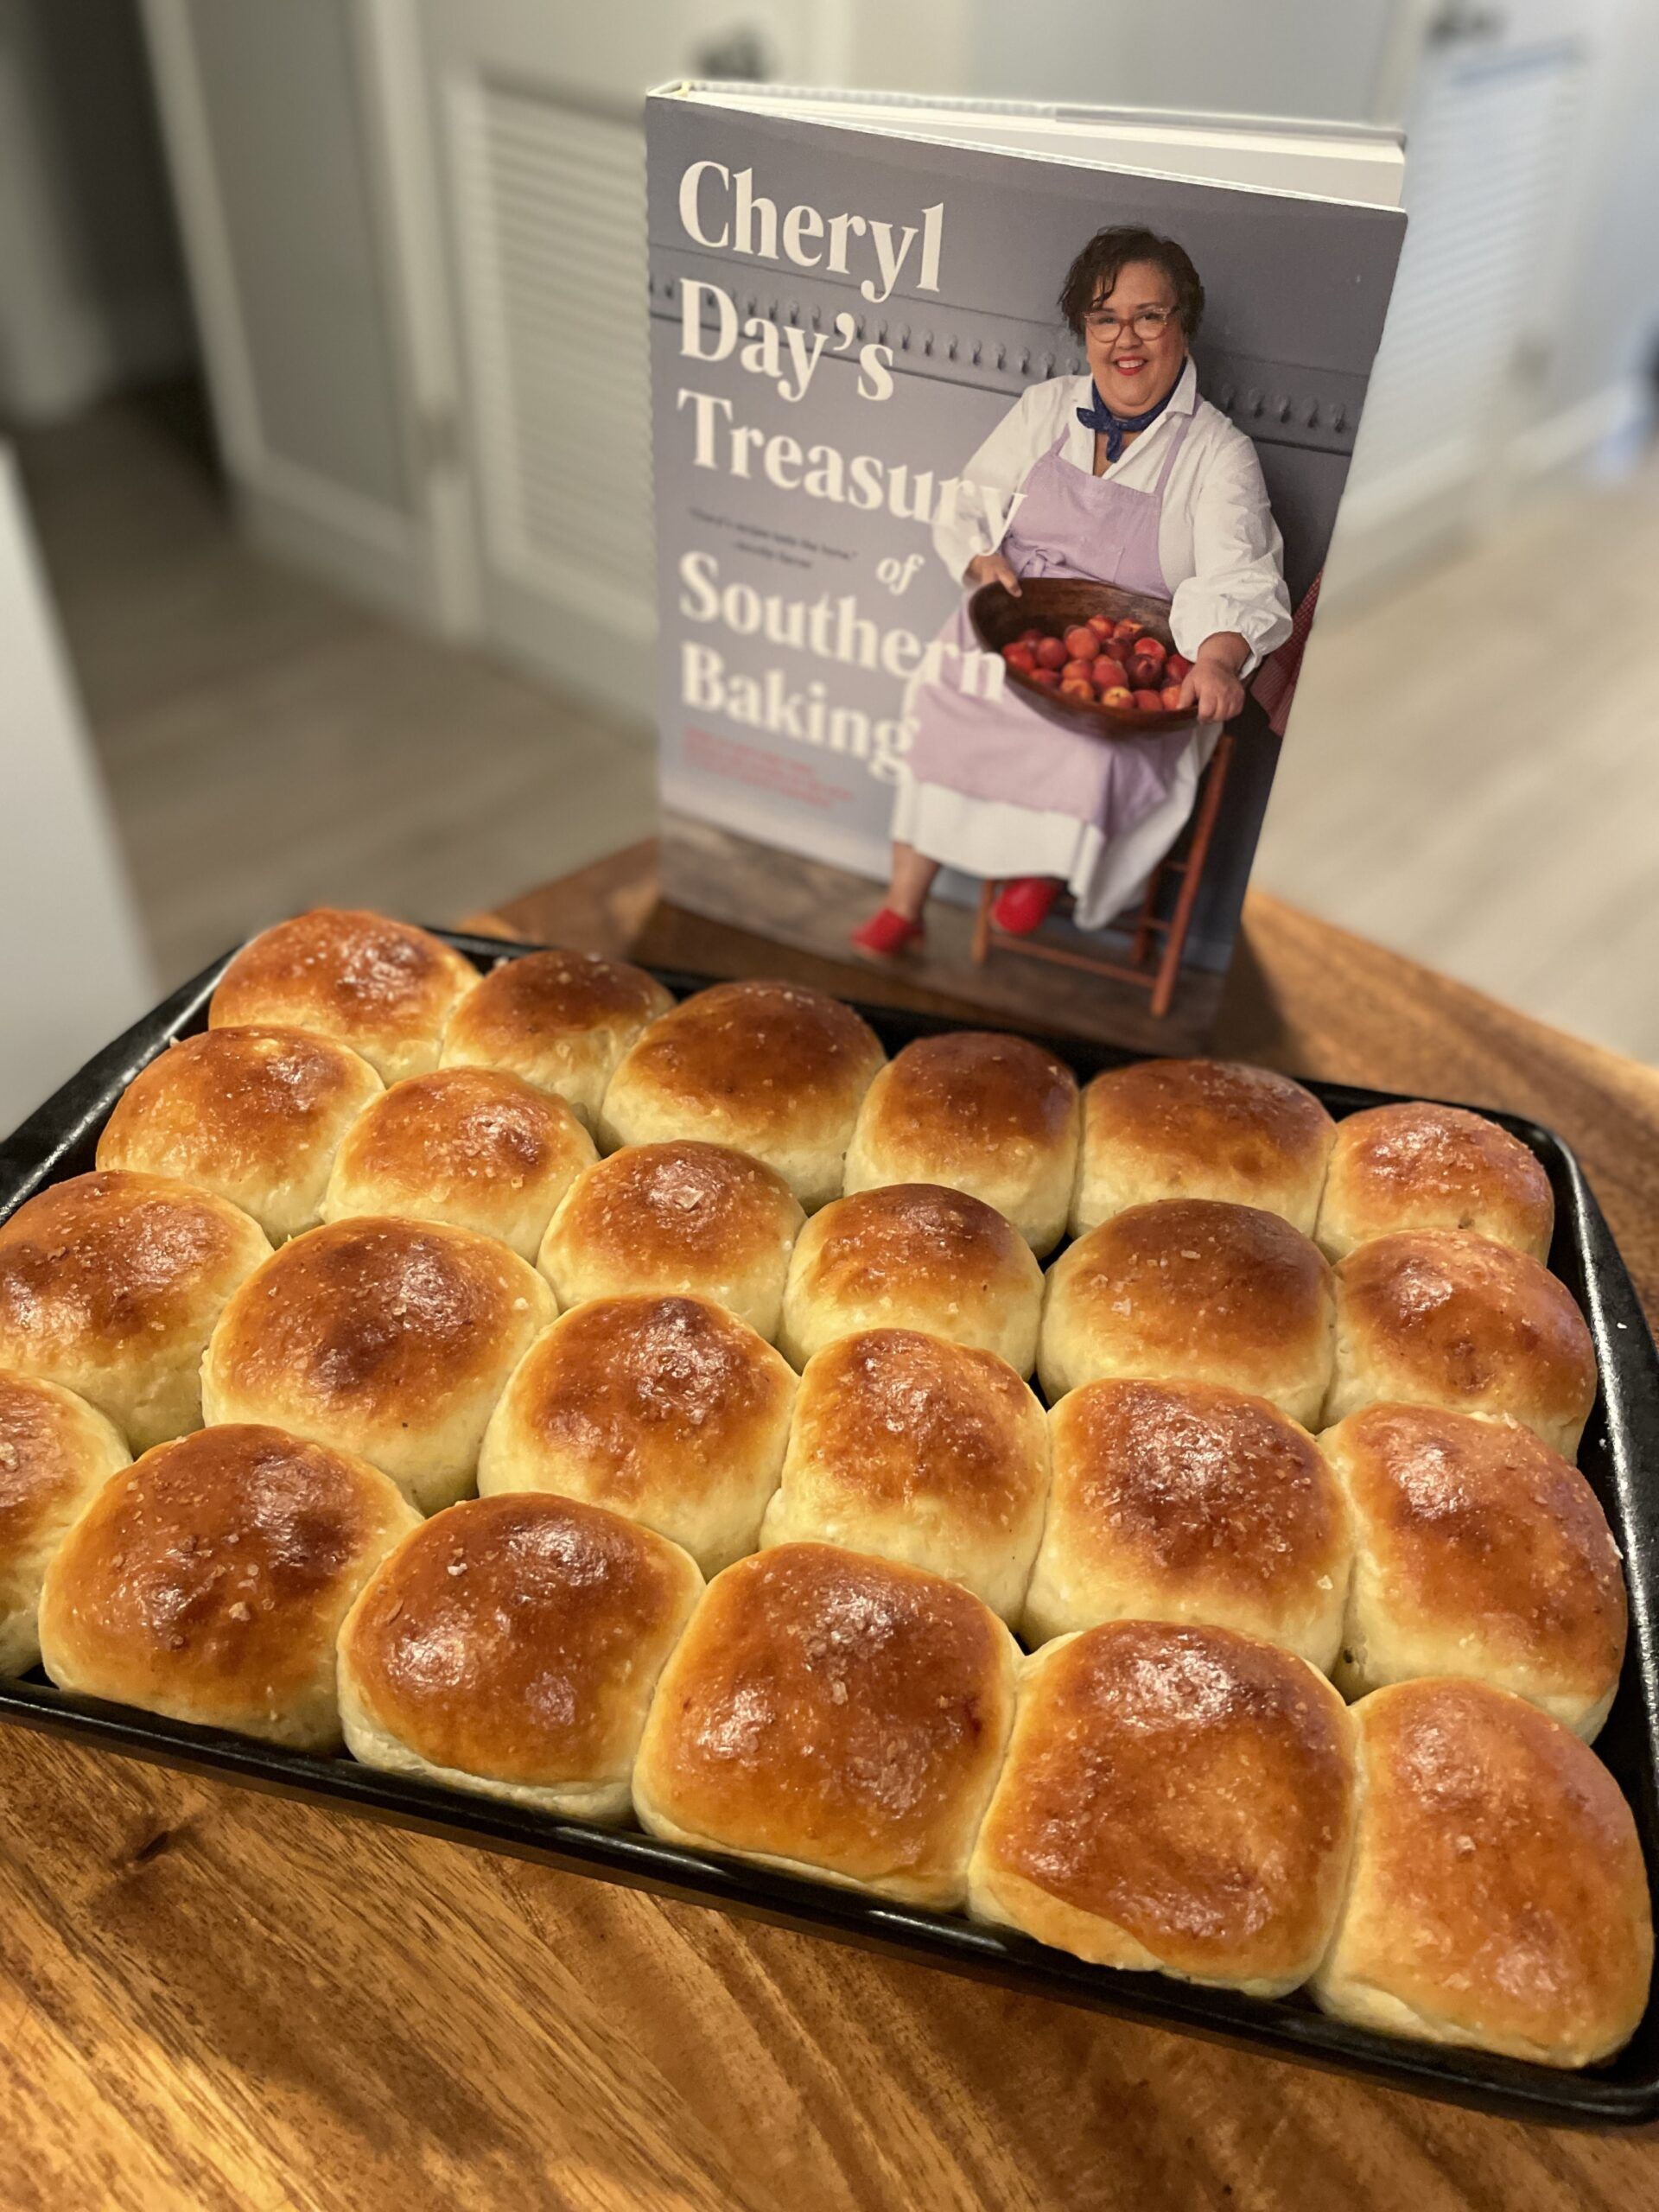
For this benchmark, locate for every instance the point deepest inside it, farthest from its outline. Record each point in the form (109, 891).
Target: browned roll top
(784, 1057)
(507, 1636)
(236, 1103)
(382, 1317)
(371, 982)
(529, 1002)
(970, 1093)
(1417, 1164)
(901, 1418)
(832, 1708)
(913, 1238)
(1191, 1786)
(1474, 1320)
(114, 1258)
(218, 1563)
(1179, 1479)
(460, 1132)
(1244, 1132)
(679, 1207)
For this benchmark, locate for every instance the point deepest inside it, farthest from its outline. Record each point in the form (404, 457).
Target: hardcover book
(996, 454)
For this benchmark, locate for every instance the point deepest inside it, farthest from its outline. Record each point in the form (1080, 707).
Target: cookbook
(996, 450)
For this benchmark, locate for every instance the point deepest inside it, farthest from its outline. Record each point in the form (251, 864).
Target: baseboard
(387, 567)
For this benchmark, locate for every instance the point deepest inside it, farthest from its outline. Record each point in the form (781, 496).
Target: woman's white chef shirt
(1219, 546)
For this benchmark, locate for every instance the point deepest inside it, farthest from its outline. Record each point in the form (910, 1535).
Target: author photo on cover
(1131, 478)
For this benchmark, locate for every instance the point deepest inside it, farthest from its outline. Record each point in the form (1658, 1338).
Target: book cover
(992, 494)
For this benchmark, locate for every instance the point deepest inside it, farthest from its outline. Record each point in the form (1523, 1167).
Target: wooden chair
(1154, 961)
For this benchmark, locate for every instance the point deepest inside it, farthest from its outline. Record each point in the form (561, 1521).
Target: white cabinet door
(537, 148)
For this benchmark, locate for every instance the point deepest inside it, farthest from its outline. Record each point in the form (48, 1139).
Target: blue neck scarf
(1116, 428)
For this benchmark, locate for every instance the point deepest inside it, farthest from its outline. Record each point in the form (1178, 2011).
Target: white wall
(92, 293)
(75, 973)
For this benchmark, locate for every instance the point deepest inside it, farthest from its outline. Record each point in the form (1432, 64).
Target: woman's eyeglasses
(1148, 322)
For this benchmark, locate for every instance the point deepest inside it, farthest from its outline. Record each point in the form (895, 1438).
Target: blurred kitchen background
(324, 537)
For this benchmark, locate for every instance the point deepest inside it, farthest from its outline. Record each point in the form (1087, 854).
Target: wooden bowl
(1054, 603)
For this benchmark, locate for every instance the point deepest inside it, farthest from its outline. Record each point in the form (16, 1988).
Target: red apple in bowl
(1146, 674)
(1109, 670)
(1031, 637)
(1151, 703)
(1019, 657)
(1176, 665)
(1079, 689)
(1048, 677)
(1103, 625)
(1150, 649)
(1170, 695)
(1049, 652)
(1119, 696)
(1078, 671)
(1129, 630)
(1081, 643)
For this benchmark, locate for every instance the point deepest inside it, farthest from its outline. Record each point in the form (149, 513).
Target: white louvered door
(540, 159)
(1495, 128)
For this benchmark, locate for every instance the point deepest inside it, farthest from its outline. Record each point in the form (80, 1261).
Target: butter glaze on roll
(208, 1581)
(913, 1256)
(473, 1147)
(1417, 1165)
(389, 1339)
(832, 1715)
(510, 1646)
(669, 1410)
(1183, 1502)
(920, 1451)
(1200, 1129)
(1193, 1290)
(978, 1111)
(560, 1019)
(1497, 1898)
(56, 1452)
(112, 1283)
(254, 1116)
(774, 1069)
(682, 1218)
(1480, 1552)
(385, 987)
(1176, 1799)
(1441, 1318)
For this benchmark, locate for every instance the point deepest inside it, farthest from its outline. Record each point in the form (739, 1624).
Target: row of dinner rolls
(1405, 1541)
(159, 1303)
(787, 1074)
(1442, 1860)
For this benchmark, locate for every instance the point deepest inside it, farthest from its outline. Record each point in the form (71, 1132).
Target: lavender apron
(1069, 524)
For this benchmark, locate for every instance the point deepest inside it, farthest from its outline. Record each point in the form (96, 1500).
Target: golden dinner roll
(774, 1069)
(669, 1410)
(687, 1218)
(390, 1338)
(111, 1285)
(1479, 1552)
(1185, 1502)
(1200, 1129)
(978, 1111)
(1417, 1165)
(918, 1450)
(913, 1256)
(385, 987)
(255, 1115)
(1193, 1290)
(469, 1146)
(208, 1581)
(56, 1452)
(560, 1019)
(1437, 1317)
(1497, 1897)
(832, 1715)
(1174, 1799)
(510, 1646)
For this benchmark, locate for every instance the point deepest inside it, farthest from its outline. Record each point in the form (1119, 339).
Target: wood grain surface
(213, 1999)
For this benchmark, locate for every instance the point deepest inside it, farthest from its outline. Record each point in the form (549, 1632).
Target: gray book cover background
(789, 835)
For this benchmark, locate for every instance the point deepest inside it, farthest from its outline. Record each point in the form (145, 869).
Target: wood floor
(1472, 776)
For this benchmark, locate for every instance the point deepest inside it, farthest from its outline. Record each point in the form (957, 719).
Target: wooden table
(212, 1999)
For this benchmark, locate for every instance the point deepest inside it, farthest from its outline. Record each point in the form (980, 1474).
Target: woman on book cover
(1131, 479)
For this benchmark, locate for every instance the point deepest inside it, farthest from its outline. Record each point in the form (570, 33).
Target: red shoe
(886, 934)
(1022, 905)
